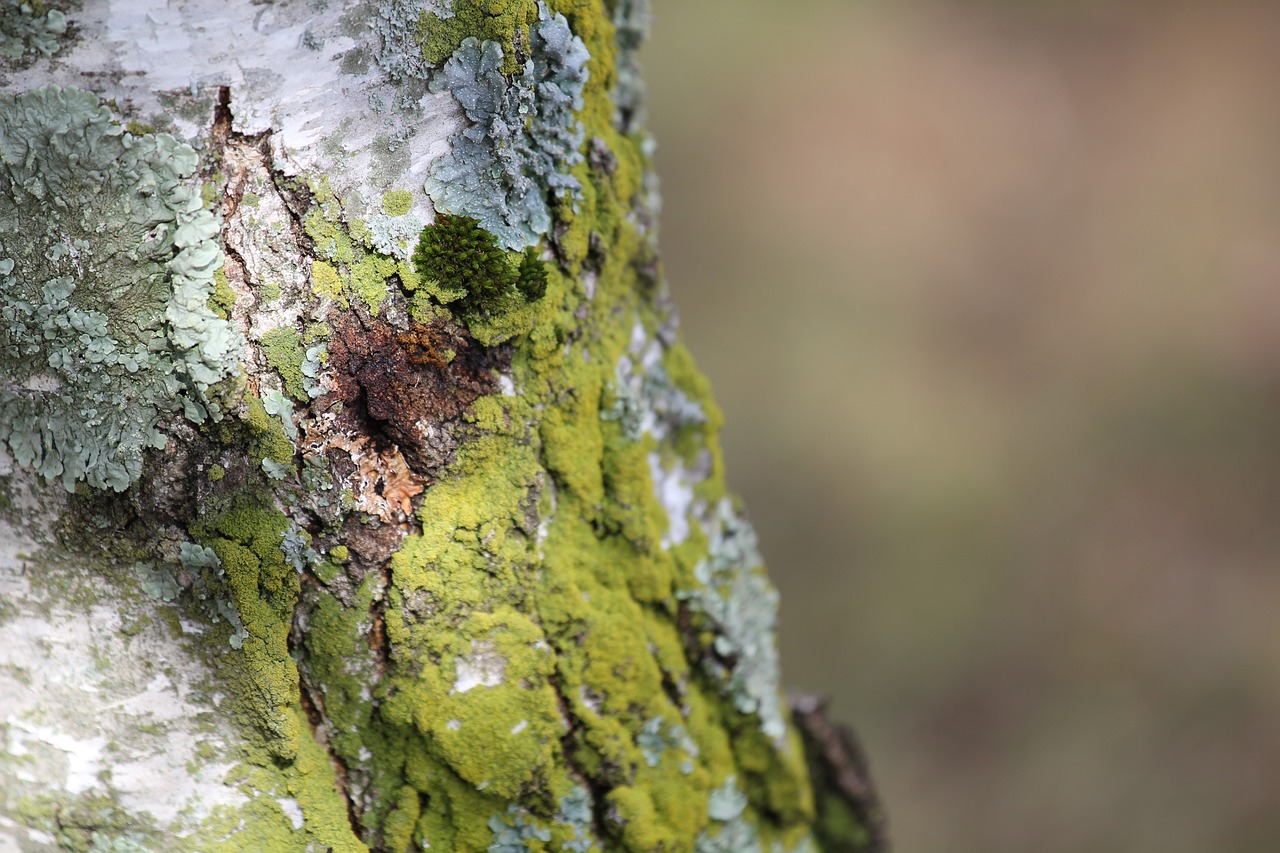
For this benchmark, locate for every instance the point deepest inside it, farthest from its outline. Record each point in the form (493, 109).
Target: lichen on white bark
(311, 73)
(100, 696)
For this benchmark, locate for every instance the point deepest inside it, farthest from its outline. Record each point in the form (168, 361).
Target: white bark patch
(292, 810)
(674, 489)
(83, 757)
(484, 667)
(86, 708)
(284, 64)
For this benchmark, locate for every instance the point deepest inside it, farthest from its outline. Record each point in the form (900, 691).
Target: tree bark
(356, 492)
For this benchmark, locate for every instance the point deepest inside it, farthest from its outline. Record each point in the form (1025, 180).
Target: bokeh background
(990, 294)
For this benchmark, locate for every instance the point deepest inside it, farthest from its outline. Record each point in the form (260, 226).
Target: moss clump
(461, 264)
(531, 279)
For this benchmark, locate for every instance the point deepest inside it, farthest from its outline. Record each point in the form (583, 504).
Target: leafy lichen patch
(524, 135)
(107, 259)
(31, 30)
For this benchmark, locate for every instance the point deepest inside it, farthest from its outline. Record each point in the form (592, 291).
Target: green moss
(326, 283)
(266, 435)
(283, 350)
(369, 277)
(462, 266)
(352, 263)
(217, 472)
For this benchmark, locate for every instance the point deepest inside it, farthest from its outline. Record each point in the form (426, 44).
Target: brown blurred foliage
(990, 293)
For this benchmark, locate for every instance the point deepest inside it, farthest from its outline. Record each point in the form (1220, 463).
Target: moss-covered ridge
(563, 643)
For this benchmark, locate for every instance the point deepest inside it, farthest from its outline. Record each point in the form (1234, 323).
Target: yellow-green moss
(504, 21)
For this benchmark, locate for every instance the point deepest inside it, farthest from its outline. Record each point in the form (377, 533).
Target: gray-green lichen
(734, 833)
(106, 266)
(631, 20)
(657, 737)
(646, 400)
(742, 606)
(29, 30)
(399, 54)
(575, 812)
(524, 135)
(511, 831)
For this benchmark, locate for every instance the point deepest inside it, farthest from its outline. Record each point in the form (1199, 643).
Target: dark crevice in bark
(378, 642)
(222, 119)
(597, 789)
(313, 707)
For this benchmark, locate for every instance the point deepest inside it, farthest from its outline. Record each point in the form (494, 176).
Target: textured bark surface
(302, 549)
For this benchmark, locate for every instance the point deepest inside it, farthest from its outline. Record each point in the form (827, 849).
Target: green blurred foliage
(990, 293)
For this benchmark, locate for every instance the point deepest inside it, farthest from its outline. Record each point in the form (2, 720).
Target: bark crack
(313, 708)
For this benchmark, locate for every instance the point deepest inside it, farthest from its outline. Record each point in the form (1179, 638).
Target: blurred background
(990, 294)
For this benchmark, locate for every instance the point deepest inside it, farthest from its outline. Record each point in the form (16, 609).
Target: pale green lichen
(512, 831)
(657, 738)
(575, 815)
(393, 234)
(742, 606)
(157, 582)
(30, 29)
(632, 20)
(645, 399)
(396, 24)
(281, 406)
(524, 134)
(107, 262)
(313, 362)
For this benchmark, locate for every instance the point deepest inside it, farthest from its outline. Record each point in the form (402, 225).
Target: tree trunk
(356, 492)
